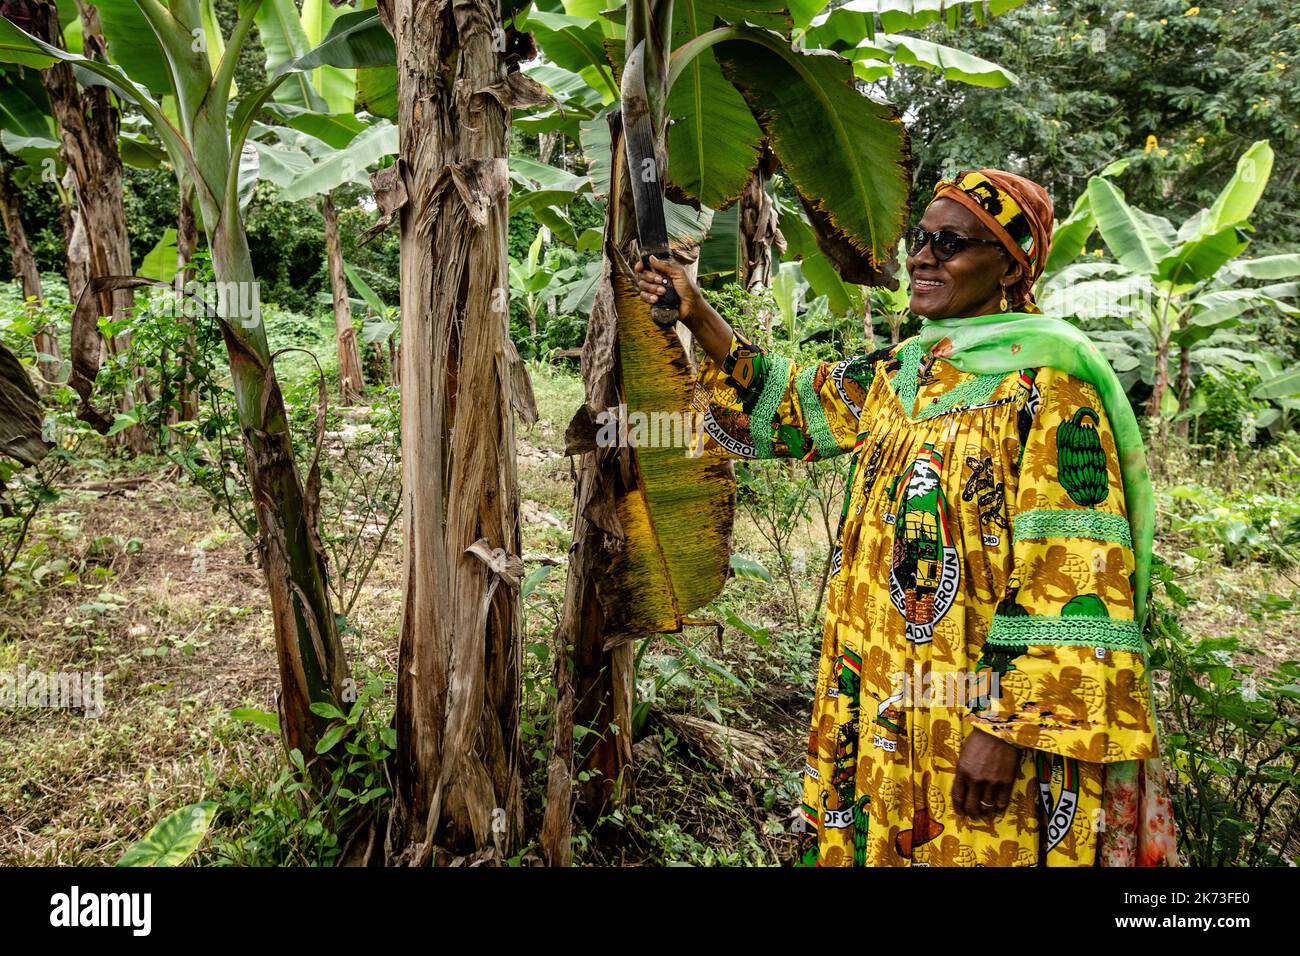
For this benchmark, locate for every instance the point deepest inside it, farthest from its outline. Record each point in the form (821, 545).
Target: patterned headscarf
(1018, 211)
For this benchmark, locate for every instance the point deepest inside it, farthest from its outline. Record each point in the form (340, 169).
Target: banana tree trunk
(457, 761)
(76, 248)
(629, 503)
(594, 683)
(351, 384)
(309, 651)
(1183, 389)
(44, 340)
(88, 129)
(759, 231)
(187, 242)
(1160, 383)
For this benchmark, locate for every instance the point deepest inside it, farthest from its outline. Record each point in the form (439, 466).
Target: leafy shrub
(1233, 739)
(287, 820)
(1240, 526)
(361, 481)
(555, 332)
(26, 492)
(1230, 413)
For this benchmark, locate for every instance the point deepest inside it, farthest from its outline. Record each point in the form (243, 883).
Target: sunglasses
(945, 244)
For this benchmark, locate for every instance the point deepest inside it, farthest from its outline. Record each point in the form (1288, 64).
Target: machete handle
(667, 311)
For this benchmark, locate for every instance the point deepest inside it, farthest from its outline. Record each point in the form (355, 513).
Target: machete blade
(643, 170)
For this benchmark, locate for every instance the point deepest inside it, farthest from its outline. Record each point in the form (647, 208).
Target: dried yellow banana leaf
(677, 511)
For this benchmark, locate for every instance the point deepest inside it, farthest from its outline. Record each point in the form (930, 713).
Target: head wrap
(1017, 211)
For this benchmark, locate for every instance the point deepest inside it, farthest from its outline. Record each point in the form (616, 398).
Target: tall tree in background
(88, 122)
(1182, 89)
(24, 263)
(351, 382)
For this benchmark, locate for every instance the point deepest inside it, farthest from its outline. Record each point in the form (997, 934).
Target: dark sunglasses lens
(947, 245)
(916, 240)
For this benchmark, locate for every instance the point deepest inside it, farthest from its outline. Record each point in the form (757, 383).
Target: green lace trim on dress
(1051, 523)
(1048, 629)
(974, 391)
(909, 357)
(814, 416)
(760, 421)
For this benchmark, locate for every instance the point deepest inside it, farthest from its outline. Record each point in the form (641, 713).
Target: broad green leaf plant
(205, 136)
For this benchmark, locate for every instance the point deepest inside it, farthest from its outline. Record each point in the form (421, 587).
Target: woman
(982, 697)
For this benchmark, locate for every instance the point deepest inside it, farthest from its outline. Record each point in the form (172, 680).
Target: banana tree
(451, 84)
(322, 100)
(1174, 287)
(457, 716)
(88, 123)
(204, 139)
(652, 525)
(532, 280)
(27, 131)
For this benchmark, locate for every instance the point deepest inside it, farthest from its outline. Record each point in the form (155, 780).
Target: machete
(643, 169)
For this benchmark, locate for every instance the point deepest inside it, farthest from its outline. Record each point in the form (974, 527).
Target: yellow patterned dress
(981, 580)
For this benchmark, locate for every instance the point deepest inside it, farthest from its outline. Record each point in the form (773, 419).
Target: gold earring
(1002, 306)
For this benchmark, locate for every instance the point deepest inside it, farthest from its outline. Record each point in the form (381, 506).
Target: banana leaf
(20, 412)
(677, 516)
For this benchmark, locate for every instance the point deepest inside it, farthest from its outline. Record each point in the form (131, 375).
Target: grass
(162, 596)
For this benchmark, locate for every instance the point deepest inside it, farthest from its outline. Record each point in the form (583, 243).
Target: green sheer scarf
(1007, 342)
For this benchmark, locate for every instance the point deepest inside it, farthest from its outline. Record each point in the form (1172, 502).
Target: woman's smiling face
(970, 283)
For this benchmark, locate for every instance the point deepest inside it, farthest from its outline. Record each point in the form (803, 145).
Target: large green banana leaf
(285, 39)
(1283, 266)
(847, 155)
(345, 165)
(1070, 236)
(26, 123)
(847, 24)
(337, 87)
(713, 142)
(1213, 237)
(574, 43)
(1238, 199)
(335, 129)
(130, 43)
(1129, 234)
(948, 62)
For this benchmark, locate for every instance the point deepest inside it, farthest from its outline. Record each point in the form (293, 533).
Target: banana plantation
(315, 316)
